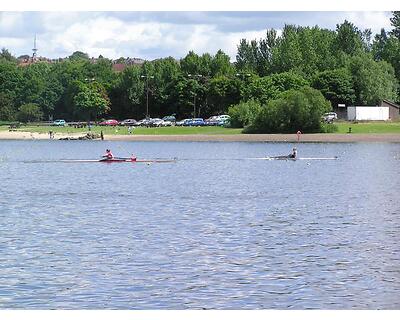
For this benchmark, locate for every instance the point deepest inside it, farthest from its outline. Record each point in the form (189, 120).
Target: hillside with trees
(280, 83)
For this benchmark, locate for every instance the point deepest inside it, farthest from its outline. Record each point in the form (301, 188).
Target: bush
(329, 128)
(7, 111)
(29, 112)
(294, 110)
(244, 113)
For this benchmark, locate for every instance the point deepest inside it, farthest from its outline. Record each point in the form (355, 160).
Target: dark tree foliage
(395, 22)
(336, 85)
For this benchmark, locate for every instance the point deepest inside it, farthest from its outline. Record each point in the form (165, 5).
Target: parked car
(59, 122)
(223, 120)
(111, 122)
(156, 122)
(195, 122)
(128, 122)
(224, 117)
(169, 118)
(329, 117)
(144, 122)
(182, 122)
(167, 123)
(212, 121)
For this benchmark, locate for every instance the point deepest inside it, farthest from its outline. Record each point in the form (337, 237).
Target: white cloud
(152, 35)
(369, 20)
(10, 20)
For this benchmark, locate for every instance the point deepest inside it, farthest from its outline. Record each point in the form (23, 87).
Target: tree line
(346, 65)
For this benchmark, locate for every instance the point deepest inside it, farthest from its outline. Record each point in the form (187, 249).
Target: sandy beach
(19, 135)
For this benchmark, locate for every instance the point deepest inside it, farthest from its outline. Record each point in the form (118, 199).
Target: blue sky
(151, 35)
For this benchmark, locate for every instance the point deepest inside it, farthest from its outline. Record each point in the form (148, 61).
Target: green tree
(91, 101)
(349, 38)
(29, 112)
(269, 87)
(246, 57)
(128, 95)
(372, 81)
(294, 110)
(79, 55)
(336, 85)
(221, 65)
(288, 54)
(244, 113)
(40, 85)
(6, 55)
(191, 64)
(10, 79)
(222, 92)
(395, 22)
(7, 109)
(387, 49)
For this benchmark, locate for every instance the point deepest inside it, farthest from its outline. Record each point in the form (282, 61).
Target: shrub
(29, 112)
(294, 110)
(244, 113)
(329, 128)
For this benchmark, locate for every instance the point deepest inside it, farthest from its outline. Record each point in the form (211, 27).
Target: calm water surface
(220, 233)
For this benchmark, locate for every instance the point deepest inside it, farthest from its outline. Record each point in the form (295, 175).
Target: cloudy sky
(151, 35)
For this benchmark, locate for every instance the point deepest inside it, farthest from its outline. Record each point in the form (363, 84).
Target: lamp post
(147, 93)
(199, 76)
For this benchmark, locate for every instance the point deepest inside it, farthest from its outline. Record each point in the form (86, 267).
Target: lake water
(207, 232)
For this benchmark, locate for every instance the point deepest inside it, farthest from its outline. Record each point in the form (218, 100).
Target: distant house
(119, 67)
(394, 109)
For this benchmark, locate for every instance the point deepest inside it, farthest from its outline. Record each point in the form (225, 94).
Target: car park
(111, 122)
(59, 122)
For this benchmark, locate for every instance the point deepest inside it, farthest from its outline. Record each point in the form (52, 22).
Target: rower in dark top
(108, 155)
(293, 155)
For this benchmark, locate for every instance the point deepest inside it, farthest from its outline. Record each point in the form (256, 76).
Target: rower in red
(133, 157)
(108, 155)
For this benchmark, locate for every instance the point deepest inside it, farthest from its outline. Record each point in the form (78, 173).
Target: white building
(359, 113)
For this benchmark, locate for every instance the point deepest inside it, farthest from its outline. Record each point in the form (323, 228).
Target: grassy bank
(137, 130)
(343, 128)
(368, 127)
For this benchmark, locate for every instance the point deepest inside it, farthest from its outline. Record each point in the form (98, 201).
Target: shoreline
(311, 137)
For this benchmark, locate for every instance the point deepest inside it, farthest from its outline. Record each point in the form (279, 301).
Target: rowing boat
(115, 160)
(294, 159)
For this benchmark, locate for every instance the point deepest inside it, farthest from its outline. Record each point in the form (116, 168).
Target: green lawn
(343, 127)
(136, 130)
(369, 127)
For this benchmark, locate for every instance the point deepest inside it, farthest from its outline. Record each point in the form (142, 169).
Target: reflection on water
(214, 234)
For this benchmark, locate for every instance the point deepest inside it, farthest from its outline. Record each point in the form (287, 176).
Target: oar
(119, 146)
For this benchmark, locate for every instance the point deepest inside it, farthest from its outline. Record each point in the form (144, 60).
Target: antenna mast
(34, 49)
